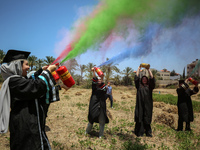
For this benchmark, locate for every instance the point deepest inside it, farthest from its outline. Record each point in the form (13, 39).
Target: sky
(45, 28)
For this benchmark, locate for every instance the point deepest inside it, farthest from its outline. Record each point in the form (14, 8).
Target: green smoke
(142, 12)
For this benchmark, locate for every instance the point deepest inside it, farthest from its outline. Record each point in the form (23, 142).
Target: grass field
(67, 121)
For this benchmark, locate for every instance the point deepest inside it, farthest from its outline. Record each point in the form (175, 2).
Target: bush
(87, 84)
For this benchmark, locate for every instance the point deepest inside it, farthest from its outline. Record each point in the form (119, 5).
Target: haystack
(159, 104)
(123, 97)
(165, 118)
(171, 109)
(78, 93)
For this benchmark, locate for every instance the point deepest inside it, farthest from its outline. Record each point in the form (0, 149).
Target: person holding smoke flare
(144, 103)
(26, 97)
(184, 104)
(97, 106)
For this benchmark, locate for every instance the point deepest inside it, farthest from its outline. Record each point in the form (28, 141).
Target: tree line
(112, 72)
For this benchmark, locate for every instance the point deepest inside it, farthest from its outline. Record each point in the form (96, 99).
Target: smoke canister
(55, 76)
(65, 76)
(98, 71)
(193, 81)
(144, 65)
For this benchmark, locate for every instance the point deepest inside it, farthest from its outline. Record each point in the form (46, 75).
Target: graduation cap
(15, 55)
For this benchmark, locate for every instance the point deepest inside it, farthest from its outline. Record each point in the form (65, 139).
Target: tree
(32, 61)
(172, 73)
(71, 65)
(88, 69)
(155, 73)
(126, 79)
(165, 70)
(184, 73)
(49, 60)
(2, 55)
(82, 69)
(117, 80)
(108, 70)
(39, 63)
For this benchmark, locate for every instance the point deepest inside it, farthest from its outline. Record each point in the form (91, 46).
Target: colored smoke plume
(143, 47)
(99, 25)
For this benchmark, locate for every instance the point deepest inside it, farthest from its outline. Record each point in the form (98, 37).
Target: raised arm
(150, 73)
(94, 75)
(138, 71)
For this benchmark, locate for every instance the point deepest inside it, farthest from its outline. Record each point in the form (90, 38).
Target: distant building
(161, 75)
(144, 72)
(190, 68)
(176, 77)
(164, 74)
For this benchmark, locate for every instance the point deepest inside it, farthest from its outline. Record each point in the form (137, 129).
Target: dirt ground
(67, 120)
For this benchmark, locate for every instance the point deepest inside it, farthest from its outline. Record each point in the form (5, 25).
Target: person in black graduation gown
(184, 104)
(97, 106)
(144, 103)
(27, 116)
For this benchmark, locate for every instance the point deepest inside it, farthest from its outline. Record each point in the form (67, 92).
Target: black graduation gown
(97, 102)
(144, 101)
(27, 116)
(184, 104)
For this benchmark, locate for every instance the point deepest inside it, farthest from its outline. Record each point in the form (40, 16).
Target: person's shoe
(179, 129)
(101, 137)
(139, 135)
(188, 129)
(149, 135)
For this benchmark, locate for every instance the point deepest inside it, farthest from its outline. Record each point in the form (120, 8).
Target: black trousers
(141, 128)
(180, 125)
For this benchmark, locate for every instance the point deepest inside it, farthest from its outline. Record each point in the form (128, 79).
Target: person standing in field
(97, 106)
(109, 94)
(184, 104)
(144, 103)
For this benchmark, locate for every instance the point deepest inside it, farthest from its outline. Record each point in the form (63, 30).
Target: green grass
(188, 140)
(130, 145)
(172, 100)
(166, 98)
(57, 145)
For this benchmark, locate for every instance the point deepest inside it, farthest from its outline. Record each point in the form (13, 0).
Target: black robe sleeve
(37, 73)
(137, 81)
(25, 89)
(152, 83)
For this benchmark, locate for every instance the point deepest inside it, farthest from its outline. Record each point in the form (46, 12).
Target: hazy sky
(43, 27)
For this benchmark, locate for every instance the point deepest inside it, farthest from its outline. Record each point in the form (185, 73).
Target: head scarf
(9, 70)
(12, 68)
